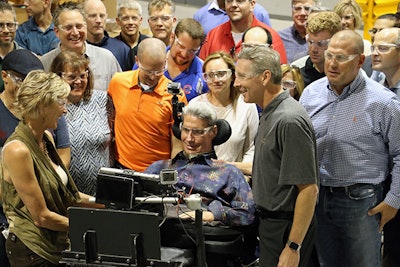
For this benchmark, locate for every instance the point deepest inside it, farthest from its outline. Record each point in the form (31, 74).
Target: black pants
(274, 233)
(20, 255)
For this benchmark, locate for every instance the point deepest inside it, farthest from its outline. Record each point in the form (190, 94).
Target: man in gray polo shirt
(285, 166)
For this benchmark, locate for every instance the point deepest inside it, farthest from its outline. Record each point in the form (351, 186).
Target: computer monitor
(113, 232)
(115, 192)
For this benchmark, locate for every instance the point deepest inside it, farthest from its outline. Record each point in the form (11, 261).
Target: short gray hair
(263, 58)
(201, 110)
(128, 4)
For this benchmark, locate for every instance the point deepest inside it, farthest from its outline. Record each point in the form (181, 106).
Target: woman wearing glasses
(350, 13)
(292, 80)
(87, 119)
(219, 73)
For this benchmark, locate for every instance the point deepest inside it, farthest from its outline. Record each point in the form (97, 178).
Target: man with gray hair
(285, 166)
(70, 28)
(357, 124)
(294, 37)
(227, 197)
(129, 18)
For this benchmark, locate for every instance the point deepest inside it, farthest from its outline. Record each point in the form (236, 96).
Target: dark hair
(192, 27)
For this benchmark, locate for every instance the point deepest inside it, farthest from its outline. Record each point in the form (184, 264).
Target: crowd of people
(313, 155)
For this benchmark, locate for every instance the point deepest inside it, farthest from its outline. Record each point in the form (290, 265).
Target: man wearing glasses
(70, 28)
(143, 110)
(129, 18)
(227, 37)
(357, 124)
(8, 26)
(385, 54)
(227, 197)
(96, 16)
(294, 37)
(320, 28)
(162, 20)
(183, 65)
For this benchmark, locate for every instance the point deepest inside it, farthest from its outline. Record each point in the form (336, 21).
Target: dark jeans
(346, 235)
(21, 256)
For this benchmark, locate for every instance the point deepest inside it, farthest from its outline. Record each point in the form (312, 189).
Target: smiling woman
(87, 118)
(37, 188)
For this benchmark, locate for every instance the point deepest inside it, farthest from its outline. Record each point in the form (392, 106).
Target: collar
(102, 41)
(351, 88)
(135, 84)
(275, 102)
(214, 5)
(202, 159)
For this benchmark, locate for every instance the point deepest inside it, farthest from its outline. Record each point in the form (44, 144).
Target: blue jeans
(346, 235)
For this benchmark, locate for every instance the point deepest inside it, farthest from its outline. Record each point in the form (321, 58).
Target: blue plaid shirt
(357, 133)
(223, 188)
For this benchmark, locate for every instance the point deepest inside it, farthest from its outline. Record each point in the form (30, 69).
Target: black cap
(22, 61)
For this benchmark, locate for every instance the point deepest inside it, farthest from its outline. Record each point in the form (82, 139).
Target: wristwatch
(293, 245)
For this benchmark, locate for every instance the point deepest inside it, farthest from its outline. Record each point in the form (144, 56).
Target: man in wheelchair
(227, 199)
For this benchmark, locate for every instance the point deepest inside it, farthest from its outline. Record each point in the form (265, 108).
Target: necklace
(43, 147)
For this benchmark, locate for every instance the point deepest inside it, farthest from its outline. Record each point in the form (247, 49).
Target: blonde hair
(39, 89)
(355, 8)
(297, 78)
(326, 20)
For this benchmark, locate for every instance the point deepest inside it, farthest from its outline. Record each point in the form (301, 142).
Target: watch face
(293, 245)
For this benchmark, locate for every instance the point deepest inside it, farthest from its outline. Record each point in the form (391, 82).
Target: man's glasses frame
(195, 132)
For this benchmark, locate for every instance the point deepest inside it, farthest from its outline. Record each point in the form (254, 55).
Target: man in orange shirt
(143, 110)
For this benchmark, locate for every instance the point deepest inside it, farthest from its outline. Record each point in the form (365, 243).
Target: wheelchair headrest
(223, 134)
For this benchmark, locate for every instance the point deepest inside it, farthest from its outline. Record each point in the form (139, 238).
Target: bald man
(257, 35)
(96, 15)
(143, 110)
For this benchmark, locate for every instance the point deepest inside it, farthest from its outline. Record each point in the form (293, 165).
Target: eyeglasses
(128, 18)
(164, 18)
(17, 80)
(299, 8)
(319, 44)
(249, 45)
(288, 84)
(9, 25)
(218, 75)
(156, 73)
(239, 2)
(69, 27)
(340, 58)
(62, 102)
(72, 77)
(195, 132)
(384, 48)
(182, 47)
(374, 30)
(347, 17)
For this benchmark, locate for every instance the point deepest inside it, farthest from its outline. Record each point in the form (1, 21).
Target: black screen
(114, 191)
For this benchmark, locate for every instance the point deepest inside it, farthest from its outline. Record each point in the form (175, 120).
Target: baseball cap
(22, 61)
